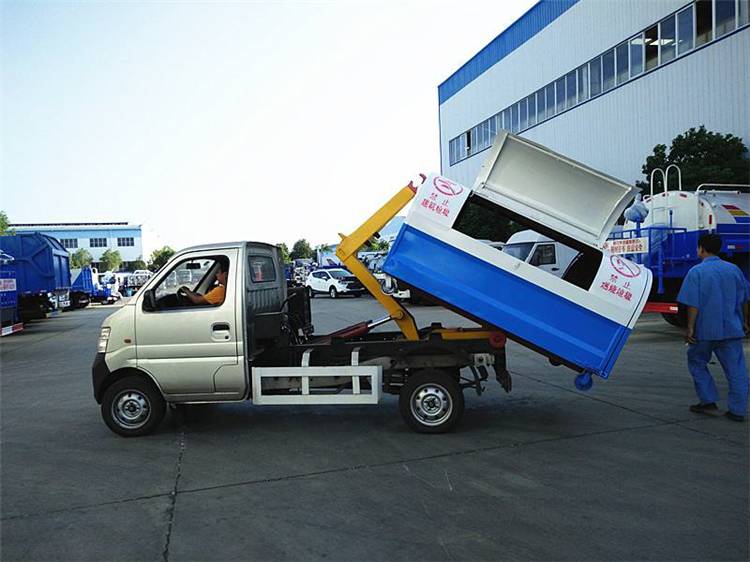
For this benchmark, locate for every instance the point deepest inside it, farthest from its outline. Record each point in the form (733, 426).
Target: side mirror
(149, 301)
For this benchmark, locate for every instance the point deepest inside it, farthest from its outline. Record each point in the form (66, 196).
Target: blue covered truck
(9, 318)
(42, 271)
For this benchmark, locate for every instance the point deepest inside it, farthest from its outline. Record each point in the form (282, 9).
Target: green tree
(284, 252)
(5, 225)
(80, 258)
(139, 264)
(159, 258)
(301, 250)
(110, 260)
(378, 245)
(703, 157)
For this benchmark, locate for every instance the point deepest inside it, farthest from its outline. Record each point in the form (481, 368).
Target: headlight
(101, 346)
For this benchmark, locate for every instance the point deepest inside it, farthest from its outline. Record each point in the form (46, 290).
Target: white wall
(615, 132)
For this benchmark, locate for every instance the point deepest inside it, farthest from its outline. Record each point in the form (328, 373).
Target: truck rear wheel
(132, 407)
(431, 401)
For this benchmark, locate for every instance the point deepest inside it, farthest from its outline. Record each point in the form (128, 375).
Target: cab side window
(543, 255)
(191, 273)
(261, 269)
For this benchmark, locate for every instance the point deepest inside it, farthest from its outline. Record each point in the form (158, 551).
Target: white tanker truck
(666, 239)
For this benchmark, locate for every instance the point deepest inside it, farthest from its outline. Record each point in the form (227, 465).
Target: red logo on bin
(447, 187)
(624, 268)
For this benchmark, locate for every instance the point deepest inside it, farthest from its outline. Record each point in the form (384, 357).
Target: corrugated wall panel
(532, 22)
(615, 132)
(585, 30)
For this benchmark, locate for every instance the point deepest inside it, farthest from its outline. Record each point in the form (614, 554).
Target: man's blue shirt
(718, 290)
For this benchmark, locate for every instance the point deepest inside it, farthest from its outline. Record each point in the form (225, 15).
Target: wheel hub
(131, 409)
(431, 404)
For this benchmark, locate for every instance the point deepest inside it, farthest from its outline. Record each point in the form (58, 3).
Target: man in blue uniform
(716, 295)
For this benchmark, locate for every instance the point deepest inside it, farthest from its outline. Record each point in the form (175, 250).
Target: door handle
(555, 269)
(220, 327)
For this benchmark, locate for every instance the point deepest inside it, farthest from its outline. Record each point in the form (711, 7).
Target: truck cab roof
(527, 236)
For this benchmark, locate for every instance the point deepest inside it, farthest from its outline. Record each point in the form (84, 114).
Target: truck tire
(431, 401)
(132, 406)
(333, 293)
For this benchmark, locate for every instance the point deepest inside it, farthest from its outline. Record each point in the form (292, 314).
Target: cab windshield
(519, 251)
(339, 273)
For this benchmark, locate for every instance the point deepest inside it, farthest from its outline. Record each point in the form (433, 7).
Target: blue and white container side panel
(587, 328)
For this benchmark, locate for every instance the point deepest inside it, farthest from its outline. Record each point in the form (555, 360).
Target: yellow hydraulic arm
(350, 245)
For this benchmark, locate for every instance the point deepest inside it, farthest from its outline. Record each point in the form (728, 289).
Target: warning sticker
(627, 246)
(619, 281)
(440, 199)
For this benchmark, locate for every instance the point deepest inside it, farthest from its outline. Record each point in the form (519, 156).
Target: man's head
(221, 274)
(709, 245)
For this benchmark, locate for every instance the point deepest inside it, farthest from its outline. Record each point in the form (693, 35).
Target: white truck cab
(538, 250)
(258, 344)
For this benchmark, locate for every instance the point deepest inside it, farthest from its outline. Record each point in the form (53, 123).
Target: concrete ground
(623, 472)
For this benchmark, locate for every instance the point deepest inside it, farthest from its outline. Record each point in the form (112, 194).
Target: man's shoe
(704, 408)
(734, 417)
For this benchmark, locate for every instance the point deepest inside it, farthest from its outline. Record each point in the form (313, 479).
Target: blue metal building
(95, 237)
(602, 82)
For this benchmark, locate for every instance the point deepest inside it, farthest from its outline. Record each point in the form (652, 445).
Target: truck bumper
(100, 373)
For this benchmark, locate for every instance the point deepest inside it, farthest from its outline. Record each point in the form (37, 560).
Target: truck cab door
(544, 256)
(189, 349)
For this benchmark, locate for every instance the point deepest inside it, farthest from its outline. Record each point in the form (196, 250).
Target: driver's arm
(194, 298)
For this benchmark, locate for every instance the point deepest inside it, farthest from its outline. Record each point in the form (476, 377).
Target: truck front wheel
(431, 401)
(132, 407)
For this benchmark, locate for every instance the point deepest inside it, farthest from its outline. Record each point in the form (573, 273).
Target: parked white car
(333, 282)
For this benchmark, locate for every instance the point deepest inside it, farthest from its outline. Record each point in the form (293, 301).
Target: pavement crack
(678, 423)
(402, 462)
(173, 495)
(338, 470)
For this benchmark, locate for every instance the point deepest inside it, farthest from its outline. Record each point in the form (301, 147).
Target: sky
(217, 121)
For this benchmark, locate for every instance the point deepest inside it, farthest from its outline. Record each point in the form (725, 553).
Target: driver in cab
(216, 295)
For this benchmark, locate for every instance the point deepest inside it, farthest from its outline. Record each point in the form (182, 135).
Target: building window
(531, 103)
(608, 70)
(623, 72)
(570, 89)
(636, 55)
(595, 76)
(725, 15)
(703, 21)
(69, 243)
(685, 30)
(651, 40)
(514, 118)
(541, 106)
(743, 15)
(560, 94)
(98, 242)
(667, 31)
(550, 90)
(122, 242)
(583, 83)
(523, 119)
